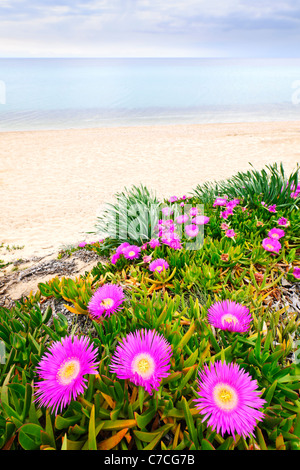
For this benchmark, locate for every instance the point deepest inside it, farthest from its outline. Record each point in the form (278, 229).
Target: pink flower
(182, 219)
(224, 226)
(276, 233)
(154, 242)
(224, 214)
(175, 244)
(228, 399)
(115, 258)
(271, 244)
(192, 230)
(296, 272)
(283, 221)
(167, 210)
(121, 248)
(173, 199)
(143, 357)
(106, 300)
(295, 194)
(81, 244)
(200, 220)
(272, 208)
(193, 211)
(232, 204)
(132, 252)
(63, 370)
(229, 315)
(181, 204)
(230, 233)
(158, 265)
(147, 258)
(220, 201)
(144, 246)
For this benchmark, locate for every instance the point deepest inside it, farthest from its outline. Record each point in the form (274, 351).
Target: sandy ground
(53, 184)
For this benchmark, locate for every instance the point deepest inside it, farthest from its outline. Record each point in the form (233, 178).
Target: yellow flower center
(131, 253)
(143, 364)
(228, 317)
(68, 371)
(107, 303)
(225, 397)
(270, 247)
(159, 268)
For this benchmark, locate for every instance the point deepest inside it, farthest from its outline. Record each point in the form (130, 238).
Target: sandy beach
(53, 184)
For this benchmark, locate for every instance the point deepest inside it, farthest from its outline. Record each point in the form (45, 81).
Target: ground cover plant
(183, 339)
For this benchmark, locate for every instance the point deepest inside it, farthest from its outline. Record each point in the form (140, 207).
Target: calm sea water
(85, 93)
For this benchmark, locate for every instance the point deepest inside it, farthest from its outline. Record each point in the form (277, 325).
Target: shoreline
(53, 183)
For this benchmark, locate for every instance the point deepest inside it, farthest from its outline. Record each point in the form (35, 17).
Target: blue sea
(38, 94)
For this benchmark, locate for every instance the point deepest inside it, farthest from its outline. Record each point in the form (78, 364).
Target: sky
(150, 28)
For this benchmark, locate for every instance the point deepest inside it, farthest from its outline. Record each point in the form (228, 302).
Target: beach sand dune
(53, 184)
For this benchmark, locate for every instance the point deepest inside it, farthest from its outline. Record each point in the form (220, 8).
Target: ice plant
(158, 265)
(63, 369)
(191, 230)
(81, 244)
(193, 211)
(106, 300)
(272, 208)
(143, 357)
(230, 233)
(276, 233)
(121, 248)
(271, 244)
(296, 272)
(283, 222)
(228, 399)
(220, 201)
(182, 219)
(132, 252)
(115, 258)
(154, 242)
(200, 220)
(229, 315)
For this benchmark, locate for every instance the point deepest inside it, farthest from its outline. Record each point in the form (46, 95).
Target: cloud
(149, 27)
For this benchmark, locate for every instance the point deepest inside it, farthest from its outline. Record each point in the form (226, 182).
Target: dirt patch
(21, 277)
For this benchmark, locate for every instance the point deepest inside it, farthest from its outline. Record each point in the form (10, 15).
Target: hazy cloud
(154, 28)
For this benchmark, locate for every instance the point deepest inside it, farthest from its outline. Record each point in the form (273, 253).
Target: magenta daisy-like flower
(106, 300)
(132, 252)
(158, 265)
(229, 399)
(63, 370)
(173, 199)
(182, 219)
(271, 244)
(229, 315)
(224, 214)
(200, 220)
(115, 258)
(230, 233)
(193, 211)
(191, 230)
(81, 244)
(283, 222)
(272, 208)
(143, 357)
(154, 242)
(121, 248)
(276, 233)
(296, 272)
(220, 201)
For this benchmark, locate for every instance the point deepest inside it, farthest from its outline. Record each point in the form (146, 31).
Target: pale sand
(54, 183)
